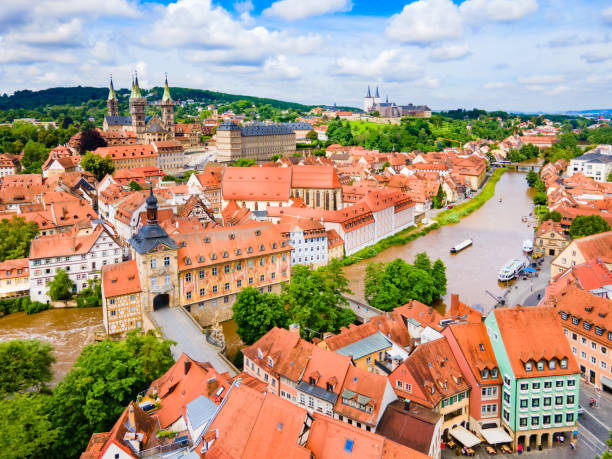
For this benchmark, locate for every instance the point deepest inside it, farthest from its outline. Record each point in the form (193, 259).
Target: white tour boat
(528, 245)
(511, 269)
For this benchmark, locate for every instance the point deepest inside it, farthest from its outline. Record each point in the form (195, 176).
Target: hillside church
(373, 104)
(146, 129)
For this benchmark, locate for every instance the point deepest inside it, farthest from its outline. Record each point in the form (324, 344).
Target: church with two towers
(146, 129)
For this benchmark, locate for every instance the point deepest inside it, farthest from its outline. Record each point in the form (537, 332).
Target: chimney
(211, 385)
(131, 418)
(454, 303)
(294, 328)
(187, 365)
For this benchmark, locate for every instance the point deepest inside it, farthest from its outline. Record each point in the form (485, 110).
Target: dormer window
(257, 233)
(564, 315)
(541, 365)
(552, 364)
(575, 320)
(238, 252)
(599, 331)
(481, 346)
(312, 381)
(259, 353)
(270, 362)
(610, 336)
(528, 366)
(250, 250)
(187, 260)
(564, 362)
(213, 256)
(207, 239)
(225, 255)
(261, 248)
(274, 245)
(587, 326)
(494, 373)
(329, 387)
(200, 259)
(485, 373)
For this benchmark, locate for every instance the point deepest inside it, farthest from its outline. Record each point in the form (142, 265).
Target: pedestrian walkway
(525, 292)
(177, 326)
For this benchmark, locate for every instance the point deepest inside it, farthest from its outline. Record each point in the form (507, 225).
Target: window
(552, 364)
(227, 286)
(188, 277)
(153, 281)
(571, 382)
(593, 345)
(546, 419)
(603, 364)
(506, 397)
(201, 292)
(528, 366)
(250, 281)
(569, 417)
(226, 268)
(547, 401)
(214, 289)
(201, 274)
(523, 422)
(558, 418)
(188, 295)
(570, 399)
(238, 283)
(524, 386)
(535, 386)
(153, 263)
(214, 271)
(541, 365)
(506, 415)
(262, 278)
(558, 400)
(564, 362)
(535, 420)
(167, 279)
(399, 384)
(166, 261)
(535, 402)
(559, 383)
(593, 360)
(524, 403)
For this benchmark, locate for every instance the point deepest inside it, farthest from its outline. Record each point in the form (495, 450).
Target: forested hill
(78, 95)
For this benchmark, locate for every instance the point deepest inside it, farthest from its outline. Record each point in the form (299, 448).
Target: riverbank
(446, 217)
(462, 210)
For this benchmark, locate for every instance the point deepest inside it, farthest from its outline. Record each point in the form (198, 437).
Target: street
(594, 424)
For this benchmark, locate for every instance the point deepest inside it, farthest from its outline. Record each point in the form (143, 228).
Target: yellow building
(121, 298)
(215, 266)
(335, 245)
(130, 156)
(256, 141)
(14, 278)
(550, 239)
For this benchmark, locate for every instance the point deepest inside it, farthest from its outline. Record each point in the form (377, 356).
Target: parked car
(580, 410)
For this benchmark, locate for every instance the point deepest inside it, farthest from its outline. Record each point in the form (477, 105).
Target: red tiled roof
(121, 279)
(315, 177)
(256, 183)
(11, 269)
(126, 151)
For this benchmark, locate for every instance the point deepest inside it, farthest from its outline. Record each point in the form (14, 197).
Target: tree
(243, 162)
(27, 430)
(585, 225)
(610, 177)
(104, 379)
(275, 157)
(257, 313)
(532, 178)
(438, 199)
(89, 141)
(540, 199)
(97, 165)
(314, 298)
(26, 364)
(91, 296)
(15, 237)
(135, 186)
(312, 136)
(388, 285)
(60, 288)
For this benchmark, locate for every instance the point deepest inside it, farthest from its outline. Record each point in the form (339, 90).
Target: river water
(69, 330)
(498, 234)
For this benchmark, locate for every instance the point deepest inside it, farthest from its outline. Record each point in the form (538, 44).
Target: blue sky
(527, 55)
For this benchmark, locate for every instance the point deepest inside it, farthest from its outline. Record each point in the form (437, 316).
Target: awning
(529, 270)
(496, 435)
(467, 438)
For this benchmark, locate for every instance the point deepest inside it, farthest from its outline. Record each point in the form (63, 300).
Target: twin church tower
(147, 129)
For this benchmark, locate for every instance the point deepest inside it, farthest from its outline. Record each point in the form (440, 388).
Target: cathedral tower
(112, 104)
(368, 101)
(137, 110)
(167, 108)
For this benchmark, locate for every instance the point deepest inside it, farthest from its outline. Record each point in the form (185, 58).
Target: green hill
(27, 99)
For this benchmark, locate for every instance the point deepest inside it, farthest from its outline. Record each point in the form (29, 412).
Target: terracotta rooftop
(315, 177)
(10, 269)
(257, 183)
(120, 279)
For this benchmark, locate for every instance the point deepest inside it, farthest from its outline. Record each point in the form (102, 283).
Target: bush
(24, 304)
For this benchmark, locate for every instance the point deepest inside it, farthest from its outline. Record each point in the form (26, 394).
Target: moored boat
(528, 245)
(462, 245)
(511, 269)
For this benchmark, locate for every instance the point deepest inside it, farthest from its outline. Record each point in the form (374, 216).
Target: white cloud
(495, 85)
(540, 79)
(428, 82)
(292, 10)
(390, 65)
(497, 10)
(594, 57)
(450, 52)
(559, 89)
(245, 6)
(607, 15)
(279, 66)
(65, 34)
(426, 21)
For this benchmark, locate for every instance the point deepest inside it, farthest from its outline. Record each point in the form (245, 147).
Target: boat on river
(511, 269)
(528, 245)
(462, 245)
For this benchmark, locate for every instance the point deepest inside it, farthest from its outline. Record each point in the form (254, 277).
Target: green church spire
(166, 97)
(111, 90)
(135, 88)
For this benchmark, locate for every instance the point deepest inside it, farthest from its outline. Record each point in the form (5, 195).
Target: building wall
(136, 161)
(213, 289)
(550, 243)
(122, 313)
(80, 268)
(570, 256)
(15, 287)
(320, 198)
(593, 357)
(159, 277)
(308, 251)
(455, 412)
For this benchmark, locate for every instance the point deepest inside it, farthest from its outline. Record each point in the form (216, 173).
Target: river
(497, 231)
(69, 330)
